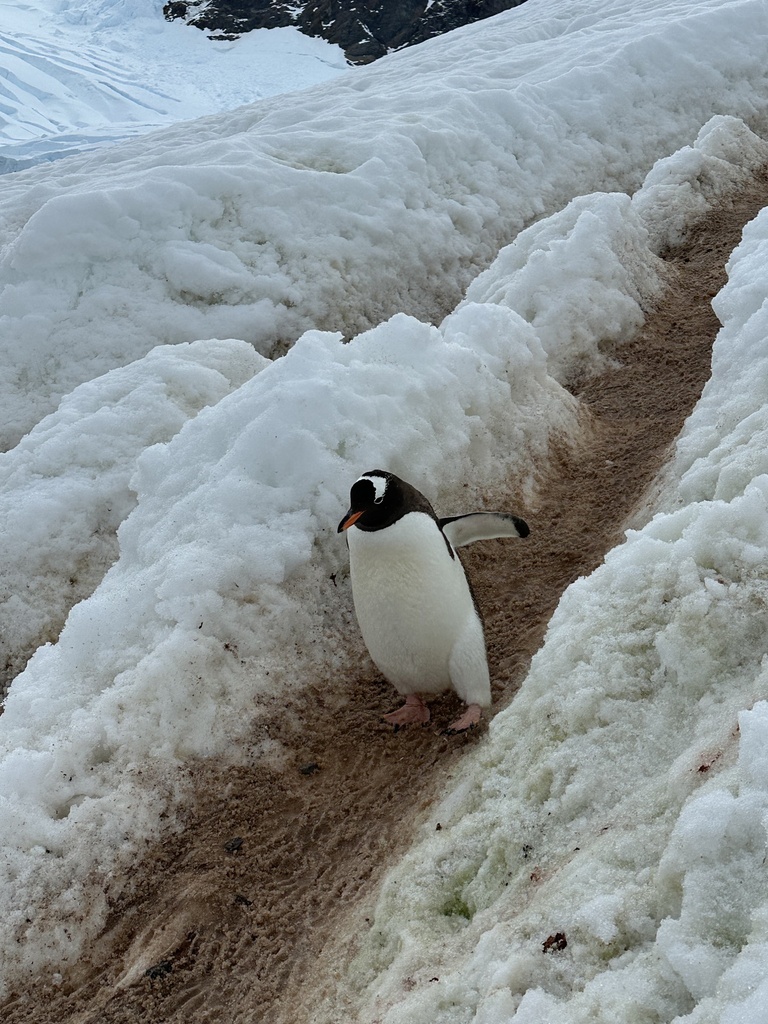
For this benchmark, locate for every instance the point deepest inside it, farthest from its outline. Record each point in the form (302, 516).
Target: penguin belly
(416, 612)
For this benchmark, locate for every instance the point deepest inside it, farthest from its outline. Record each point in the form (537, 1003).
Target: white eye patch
(379, 486)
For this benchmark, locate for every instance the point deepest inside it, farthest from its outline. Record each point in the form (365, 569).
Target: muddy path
(237, 918)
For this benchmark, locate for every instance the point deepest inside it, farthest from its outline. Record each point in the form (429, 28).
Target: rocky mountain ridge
(364, 29)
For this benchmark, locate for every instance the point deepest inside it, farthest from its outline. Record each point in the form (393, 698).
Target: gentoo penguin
(412, 598)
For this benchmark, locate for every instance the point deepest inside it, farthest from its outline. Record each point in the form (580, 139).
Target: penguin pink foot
(413, 712)
(468, 720)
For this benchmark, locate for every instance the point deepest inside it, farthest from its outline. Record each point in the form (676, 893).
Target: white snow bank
(585, 277)
(582, 278)
(66, 487)
(385, 190)
(621, 800)
(725, 442)
(680, 188)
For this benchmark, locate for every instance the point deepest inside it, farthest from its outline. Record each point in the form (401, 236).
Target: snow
(461, 212)
(79, 74)
(386, 190)
(65, 488)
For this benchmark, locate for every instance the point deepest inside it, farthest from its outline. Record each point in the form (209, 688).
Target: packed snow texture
(385, 190)
(77, 74)
(614, 801)
(622, 799)
(66, 487)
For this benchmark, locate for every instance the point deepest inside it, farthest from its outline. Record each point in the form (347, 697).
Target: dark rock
(159, 970)
(364, 29)
(555, 943)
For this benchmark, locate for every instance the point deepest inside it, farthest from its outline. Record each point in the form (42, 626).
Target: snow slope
(78, 74)
(384, 191)
(365, 207)
(66, 487)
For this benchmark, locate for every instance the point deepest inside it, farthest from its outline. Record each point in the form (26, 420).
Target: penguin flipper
(466, 529)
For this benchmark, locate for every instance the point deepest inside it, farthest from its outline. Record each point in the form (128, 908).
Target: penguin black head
(379, 499)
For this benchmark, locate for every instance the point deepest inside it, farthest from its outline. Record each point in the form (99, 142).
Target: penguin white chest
(413, 603)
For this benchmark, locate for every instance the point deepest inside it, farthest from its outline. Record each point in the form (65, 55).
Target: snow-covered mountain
(364, 29)
(78, 74)
(207, 332)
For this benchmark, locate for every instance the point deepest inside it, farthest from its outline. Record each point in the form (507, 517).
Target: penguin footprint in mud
(412, 598)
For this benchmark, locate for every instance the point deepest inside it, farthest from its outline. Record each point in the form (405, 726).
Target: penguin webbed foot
(467, 721)
(413, 712)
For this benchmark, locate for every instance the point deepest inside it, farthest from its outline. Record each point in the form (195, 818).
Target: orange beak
(349, 520)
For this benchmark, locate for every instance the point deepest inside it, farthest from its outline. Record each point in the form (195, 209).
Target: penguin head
(378, 499)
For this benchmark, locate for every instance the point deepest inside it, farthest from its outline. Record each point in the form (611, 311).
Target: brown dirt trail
(231, 920)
